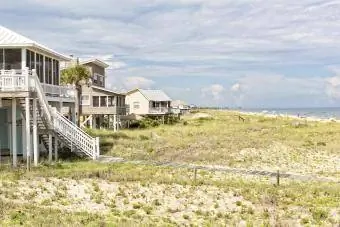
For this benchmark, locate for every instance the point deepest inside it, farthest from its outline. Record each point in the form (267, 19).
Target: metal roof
(107, 90)
(95, 61)
(155, 95)
(9, 38)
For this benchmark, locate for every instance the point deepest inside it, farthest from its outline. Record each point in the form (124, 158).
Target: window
(55, 72)
(40, 66)
(11, 59)
(136, 105)
(103, 100)
(30, 59)
(95, 78)
(95, 101)
(48, 70)
(101, 80)
(85, 100)
(2, 59)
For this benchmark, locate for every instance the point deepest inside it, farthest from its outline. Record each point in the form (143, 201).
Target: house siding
(96, 69)
(138, 97)
(90, 109)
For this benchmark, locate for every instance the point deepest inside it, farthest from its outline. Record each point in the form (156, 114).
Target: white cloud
(215, 91)
(137, 82)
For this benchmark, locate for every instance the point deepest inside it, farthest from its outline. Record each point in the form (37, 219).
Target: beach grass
(258, 142)
(120, 194)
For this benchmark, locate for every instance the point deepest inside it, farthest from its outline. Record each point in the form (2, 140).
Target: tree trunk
(78, 105)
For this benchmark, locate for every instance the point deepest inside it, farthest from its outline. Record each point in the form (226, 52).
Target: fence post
(98, 147)
(278, 178)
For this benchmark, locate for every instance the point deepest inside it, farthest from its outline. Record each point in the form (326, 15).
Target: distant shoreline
(289, 116)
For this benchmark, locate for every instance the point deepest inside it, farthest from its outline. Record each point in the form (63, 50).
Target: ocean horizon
(318, 112)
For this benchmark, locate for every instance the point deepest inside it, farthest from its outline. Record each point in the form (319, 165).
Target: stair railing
(64, 127)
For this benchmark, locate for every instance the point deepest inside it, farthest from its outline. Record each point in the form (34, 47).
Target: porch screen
(10, 59)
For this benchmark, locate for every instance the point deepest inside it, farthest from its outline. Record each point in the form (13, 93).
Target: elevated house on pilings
(148, 103)
(99, 107)
(31, 101)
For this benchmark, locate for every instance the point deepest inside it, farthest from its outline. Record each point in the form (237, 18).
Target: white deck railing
(160, 110)
(16, 80)
(59, 91)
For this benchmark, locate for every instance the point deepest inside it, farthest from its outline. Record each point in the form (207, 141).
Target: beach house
(100, 107)
(148, 102)
(31, 101)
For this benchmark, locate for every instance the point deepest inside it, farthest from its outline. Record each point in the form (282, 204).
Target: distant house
(100, 106)
(180, 107)
(148, 102)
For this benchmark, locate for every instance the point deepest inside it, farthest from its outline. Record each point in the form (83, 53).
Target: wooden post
(14, 131)
(50, 147)
(28, 137)
(278, 178)
(35, 133)
(55, 149)
(23, 136)
(195, 174)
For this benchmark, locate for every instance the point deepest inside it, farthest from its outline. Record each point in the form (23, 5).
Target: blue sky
(278, 53)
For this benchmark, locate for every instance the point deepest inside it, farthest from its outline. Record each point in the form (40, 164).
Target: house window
(55, 72)
(136, 105)
(30, 59)
(85, 100)
(11, 59)
(48, 70)
(95, 78)
(40, 67)
(103, 100)
(95, 101)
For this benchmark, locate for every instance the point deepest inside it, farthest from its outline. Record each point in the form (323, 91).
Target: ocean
(323, 113)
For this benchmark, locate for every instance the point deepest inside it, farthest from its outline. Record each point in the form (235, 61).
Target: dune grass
(259, 143)
(96, 194)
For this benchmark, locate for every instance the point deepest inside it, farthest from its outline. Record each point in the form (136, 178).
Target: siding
(96, 69)
(138, 97)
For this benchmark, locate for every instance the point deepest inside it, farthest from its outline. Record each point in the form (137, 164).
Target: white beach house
(148, 102)
(31, 101)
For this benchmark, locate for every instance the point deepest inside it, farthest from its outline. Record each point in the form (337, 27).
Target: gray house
(31, 101)
(100, 107)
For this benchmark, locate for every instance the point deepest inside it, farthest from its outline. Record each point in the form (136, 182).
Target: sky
(244, 53)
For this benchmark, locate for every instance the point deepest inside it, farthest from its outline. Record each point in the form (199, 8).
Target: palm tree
(76, 75)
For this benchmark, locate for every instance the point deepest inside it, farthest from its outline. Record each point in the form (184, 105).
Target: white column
(115, 122)
(14, 131)
(44, 74)
(28, 138)
(52, 72)
(50, 147)
(107, 101)
(23, 136)
(35, 133)
(91, 121)
(23, 58)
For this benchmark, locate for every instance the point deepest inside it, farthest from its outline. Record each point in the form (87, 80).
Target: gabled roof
(107, 90)
(152, 95)
(95, 61)
(9, 38)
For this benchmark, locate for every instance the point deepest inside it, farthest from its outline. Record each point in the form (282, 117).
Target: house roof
(152, 95)
(106, 90)
(95, 61)
(9, 38)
